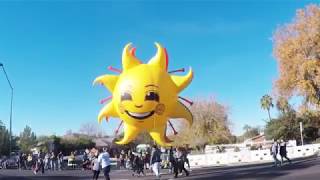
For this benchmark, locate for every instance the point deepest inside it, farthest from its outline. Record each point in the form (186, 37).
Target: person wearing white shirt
(95, 167)
(104, 160)
(274, 151)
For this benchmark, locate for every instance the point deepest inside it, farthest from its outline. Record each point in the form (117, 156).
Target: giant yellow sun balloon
(145, 96)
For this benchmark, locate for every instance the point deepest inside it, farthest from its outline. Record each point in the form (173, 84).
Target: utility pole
(301, 129)
(11, 105)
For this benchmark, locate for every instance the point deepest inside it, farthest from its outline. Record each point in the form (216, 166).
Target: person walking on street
(85, 160)
(174, 163)
(274, 152)
(135, 164)
(29, 161)
(283, 151)
(172, 160)
(140, 164)
(180, 162)
(53, 160)
(185, 155)
(19, 161)
(130, 158)
(38, 164)
(147, 160)
(155, 161)
(122, 159)
(47, 161)
(95, 166)
(104, 160)
(24, 161)
(35, 165)
(41, 162)
(60, 160)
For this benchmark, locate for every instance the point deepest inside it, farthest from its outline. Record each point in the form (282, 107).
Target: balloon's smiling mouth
(140, 115)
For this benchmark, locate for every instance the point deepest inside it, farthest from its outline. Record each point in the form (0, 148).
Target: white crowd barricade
(234, 157)
(260, 155)
(247, 156)
(197, 160)
(211, 159)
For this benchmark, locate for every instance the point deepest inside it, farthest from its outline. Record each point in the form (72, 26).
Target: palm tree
(283, 105)
(246, 127)
(266, 103)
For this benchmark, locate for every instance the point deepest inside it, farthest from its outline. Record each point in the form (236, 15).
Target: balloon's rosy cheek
(121, 108)
(160, 108)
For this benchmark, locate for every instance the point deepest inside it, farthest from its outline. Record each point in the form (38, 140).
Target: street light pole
(11, 104)
(301, 129)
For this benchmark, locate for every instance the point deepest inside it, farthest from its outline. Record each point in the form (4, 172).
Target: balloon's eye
(152, 96)
(126, 96)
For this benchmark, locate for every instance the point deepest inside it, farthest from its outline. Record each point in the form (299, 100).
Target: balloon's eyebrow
(151, 85)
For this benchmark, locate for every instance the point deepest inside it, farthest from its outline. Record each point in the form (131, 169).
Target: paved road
(300, 169)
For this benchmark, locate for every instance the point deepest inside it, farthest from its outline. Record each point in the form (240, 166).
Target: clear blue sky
(52, 51)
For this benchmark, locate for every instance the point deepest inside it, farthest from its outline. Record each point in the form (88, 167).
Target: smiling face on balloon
(145, 96)
(141, 96)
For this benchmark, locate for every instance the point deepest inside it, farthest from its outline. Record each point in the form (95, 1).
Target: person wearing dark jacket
(185, 155)
(147, 160)
(174, 163)
(180, 163)
(155, 160)
(172, 159)
(135, 164)
(283, 151)
(140, 165)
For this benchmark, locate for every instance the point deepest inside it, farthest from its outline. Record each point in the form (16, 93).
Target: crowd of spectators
(139, 161)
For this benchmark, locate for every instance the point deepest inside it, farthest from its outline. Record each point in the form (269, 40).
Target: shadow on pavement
(254, 171)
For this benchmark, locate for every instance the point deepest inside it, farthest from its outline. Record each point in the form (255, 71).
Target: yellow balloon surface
(145, 96)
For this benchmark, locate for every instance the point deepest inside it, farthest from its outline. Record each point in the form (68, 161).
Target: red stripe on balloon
(114, 69)
(133, 51)
(105, 100)
(119, 126)
(174, 131)
(177, 70)
(186, 100)
(167, 58)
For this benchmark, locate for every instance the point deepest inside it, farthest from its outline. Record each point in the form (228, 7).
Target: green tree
(246, 128)
(4, 139)
(266, 103)
(76, 142)
(49, 143)
(249, 132)
(274, 129)
(283, 105)
(27, 139)
(210, 125)
(143, 138)
(311, 125)
(286, 126)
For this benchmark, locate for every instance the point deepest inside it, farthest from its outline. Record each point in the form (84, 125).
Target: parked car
(12, 163)
(2, 162)
(8, 163)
